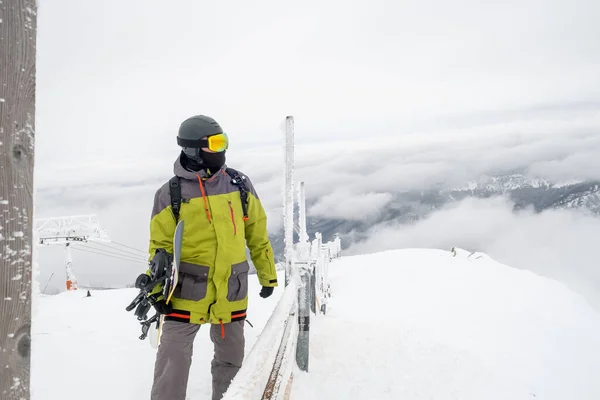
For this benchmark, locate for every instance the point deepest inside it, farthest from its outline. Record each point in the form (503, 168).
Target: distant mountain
(408, 207)
(538, 193)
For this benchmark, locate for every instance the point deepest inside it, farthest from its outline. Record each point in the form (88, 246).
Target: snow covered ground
(421, 324)
(88, 348)
(405, 324)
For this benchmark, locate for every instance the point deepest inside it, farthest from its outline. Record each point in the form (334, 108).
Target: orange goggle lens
(218, 142)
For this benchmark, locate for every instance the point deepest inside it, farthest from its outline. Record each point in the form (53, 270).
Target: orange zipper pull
(204, 197)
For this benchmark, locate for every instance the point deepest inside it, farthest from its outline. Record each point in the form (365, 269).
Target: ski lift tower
(62, 231)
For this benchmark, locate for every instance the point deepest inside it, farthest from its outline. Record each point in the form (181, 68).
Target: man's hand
(266, 291)
(162, 307)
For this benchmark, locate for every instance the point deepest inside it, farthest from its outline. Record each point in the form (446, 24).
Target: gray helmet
(192, 130)
(195, 128)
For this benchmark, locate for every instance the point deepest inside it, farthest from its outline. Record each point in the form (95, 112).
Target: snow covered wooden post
(18, 26)
(288, 198)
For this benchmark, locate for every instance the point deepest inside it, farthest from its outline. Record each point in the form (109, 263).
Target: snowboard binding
(160, 268)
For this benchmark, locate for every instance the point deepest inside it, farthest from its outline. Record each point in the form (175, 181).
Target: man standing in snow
(213, 273)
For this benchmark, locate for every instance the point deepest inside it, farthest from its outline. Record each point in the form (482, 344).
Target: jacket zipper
(204, 197)
(232, 219)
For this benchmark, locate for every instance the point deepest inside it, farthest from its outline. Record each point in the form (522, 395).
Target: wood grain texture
(18, 29)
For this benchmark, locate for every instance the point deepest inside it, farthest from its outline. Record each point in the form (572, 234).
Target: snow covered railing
(267, 367)
(321, 255)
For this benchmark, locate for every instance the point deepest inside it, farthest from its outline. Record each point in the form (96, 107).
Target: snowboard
(170, 284)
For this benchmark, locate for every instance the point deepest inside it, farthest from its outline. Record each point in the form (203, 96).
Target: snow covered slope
(88, 348)
(405, 324)
(421, 324)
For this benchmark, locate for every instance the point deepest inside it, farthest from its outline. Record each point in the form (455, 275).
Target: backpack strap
(175, 190)
(238, 180)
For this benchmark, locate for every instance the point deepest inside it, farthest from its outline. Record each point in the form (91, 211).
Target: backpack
(236, 179)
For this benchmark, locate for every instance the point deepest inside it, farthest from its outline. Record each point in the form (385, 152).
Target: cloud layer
(354, 180)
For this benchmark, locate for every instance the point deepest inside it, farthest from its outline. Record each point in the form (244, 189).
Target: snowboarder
(223, 214)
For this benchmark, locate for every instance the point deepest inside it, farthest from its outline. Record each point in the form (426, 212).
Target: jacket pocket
(237, 287)
(192, 282)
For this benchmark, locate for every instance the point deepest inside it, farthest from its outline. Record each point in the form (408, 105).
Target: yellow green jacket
(213, 271)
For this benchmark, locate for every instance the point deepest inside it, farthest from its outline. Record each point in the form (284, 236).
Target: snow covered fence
(265, 357)
(267, 370)
(268, 367)
(321, 255)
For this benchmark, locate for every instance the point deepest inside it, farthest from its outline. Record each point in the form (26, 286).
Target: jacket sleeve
(257, 239)
(162, 228)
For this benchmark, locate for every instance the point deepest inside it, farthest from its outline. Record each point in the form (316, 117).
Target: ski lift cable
(105, 253)
(88, 245)
(137, 261)
(109, 255)
(145, 253)
(112, 248)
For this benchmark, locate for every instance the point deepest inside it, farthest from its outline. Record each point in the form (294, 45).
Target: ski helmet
(192, 130)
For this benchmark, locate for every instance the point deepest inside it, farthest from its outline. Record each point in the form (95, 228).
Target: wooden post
(18, 29)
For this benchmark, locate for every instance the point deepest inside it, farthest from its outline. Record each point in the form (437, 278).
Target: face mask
(213, 161)
(196, 159)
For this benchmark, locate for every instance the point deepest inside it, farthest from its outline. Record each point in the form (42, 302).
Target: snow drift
(422, 324)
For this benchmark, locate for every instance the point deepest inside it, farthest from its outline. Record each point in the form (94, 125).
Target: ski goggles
(216, 143)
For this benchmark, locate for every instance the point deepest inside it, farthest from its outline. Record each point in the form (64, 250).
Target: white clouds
(584, 165)
(349, 206)
(352, 180)
(355, 180)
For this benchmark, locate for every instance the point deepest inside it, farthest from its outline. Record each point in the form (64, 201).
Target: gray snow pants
(174, 358)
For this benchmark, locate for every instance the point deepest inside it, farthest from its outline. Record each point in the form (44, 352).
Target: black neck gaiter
(210, 161)
(213, 161)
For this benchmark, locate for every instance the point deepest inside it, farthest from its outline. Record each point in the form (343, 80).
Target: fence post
(288, 198)
(302, 262)
(313, 288)
(302, 349)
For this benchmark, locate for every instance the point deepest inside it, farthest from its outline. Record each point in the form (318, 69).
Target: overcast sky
(387, 96)
(121, 75)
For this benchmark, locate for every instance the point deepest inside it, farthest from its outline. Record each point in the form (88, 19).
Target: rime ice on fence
(270, 367)
(321, 256)
(288, 202)
(302, 214)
